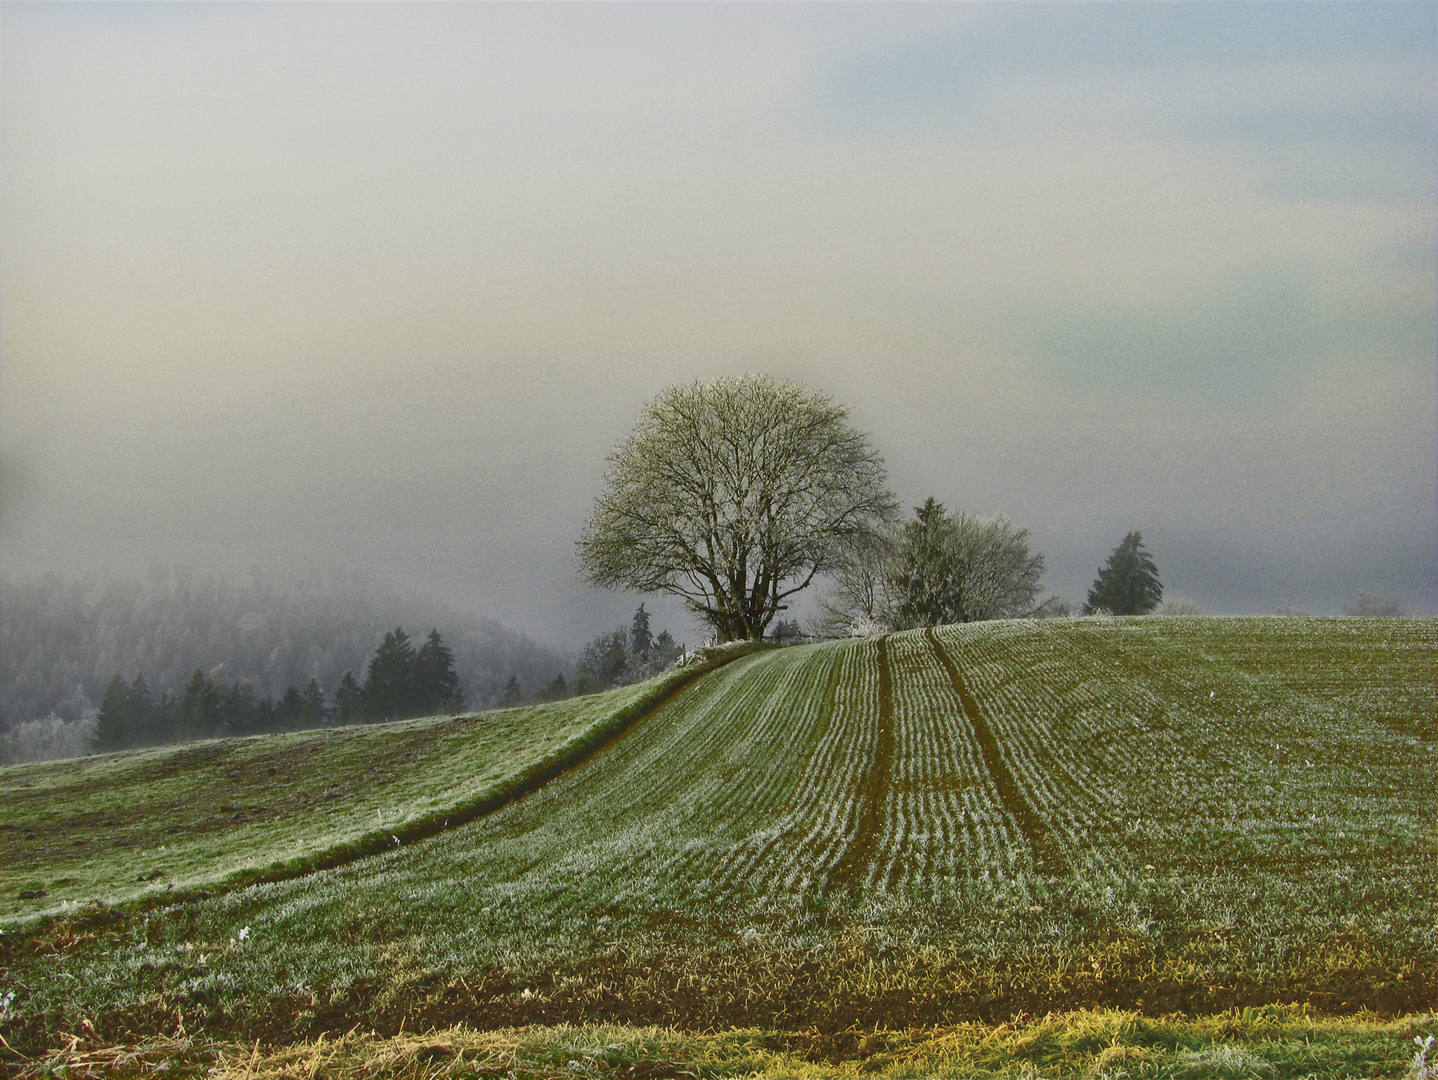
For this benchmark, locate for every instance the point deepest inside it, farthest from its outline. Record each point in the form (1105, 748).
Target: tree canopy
(733, 495)
(1128, 584)
(937, 568)
(401, 682)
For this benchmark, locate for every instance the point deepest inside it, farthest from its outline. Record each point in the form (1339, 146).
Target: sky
(381, 286)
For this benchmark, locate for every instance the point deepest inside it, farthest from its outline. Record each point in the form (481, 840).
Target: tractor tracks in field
(1033, 827)
(868, 828)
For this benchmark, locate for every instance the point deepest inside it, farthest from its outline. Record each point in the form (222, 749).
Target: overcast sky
(383, 285)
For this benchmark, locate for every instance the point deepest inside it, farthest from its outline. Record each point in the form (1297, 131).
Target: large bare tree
(733, 495)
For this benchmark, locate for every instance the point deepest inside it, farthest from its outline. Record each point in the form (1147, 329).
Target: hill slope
(167, 823)
(983, 820)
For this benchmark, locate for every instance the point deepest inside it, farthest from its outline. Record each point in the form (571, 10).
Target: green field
(986, 822)
(180, 821)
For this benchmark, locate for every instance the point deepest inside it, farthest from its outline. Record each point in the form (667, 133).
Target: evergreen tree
(113, 727)
(556, 690)
(787, 630)
(263, 716)
(313, 712)
(239, 711)
(199, 708)
(941, 568)
(142, 713)
(164, 723)
(389, 683)
(290, 710)
(438, 688)
(925, 575)
(640, 639)
(513, 694)
(1129, 584)
(349, 699)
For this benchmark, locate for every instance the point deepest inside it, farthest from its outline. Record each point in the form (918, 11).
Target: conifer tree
(1128, 584)
(513, 694)
(349, 699)
(555, 690)
(199, 708)
(113, 727)
(143, 713)
(239, 711)
(313, 712)
(290, 709)
(437, 686)
(390, 679)
(641, 641)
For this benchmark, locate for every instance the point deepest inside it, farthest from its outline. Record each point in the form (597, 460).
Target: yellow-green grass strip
(1273, 1043)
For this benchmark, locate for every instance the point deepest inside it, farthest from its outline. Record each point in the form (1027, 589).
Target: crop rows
(1011, 790)
(1166, 771)
(946, 827)
(179, 819)
(728, 789)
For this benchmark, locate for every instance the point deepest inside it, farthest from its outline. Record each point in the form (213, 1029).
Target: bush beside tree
(623, 656)
(936, 568)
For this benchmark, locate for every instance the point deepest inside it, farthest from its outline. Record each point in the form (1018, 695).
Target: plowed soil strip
(860, 853)
(1035, 830)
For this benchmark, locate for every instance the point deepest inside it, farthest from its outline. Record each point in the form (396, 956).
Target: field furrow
(1033, 827)
(944, 820)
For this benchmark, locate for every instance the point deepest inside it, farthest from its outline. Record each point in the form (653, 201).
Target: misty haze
(662, 540)
(377, 290)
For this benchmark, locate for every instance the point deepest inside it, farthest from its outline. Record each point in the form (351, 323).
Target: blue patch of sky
(942, 79)
(1248, 341)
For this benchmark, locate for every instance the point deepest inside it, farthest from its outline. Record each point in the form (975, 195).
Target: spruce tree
(557, 690)
(113, 727)
(437, 687)
(666, 649)
(513, 694)
(389, 682)
(290, 709)
(239, 711)
(349, 699)
(313, 712)
(143, 719)
(1128, 584)
(640, 639)
(199, 708)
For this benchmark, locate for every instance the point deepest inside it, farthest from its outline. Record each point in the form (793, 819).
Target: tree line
(400, 682)
(62, 637)
(617, 657)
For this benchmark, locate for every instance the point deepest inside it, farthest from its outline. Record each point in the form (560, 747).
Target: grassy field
(899, 834)
(182, 821)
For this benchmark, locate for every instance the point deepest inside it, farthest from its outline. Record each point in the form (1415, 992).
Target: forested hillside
(62, 639)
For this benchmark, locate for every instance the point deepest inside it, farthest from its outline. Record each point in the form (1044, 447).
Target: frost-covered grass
(988, 821)
(155, 825)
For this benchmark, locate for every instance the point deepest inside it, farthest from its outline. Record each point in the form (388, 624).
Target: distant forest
(64, 639)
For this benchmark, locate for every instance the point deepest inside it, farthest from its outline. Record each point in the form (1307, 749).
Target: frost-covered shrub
(1179, 605)
(46, 739)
